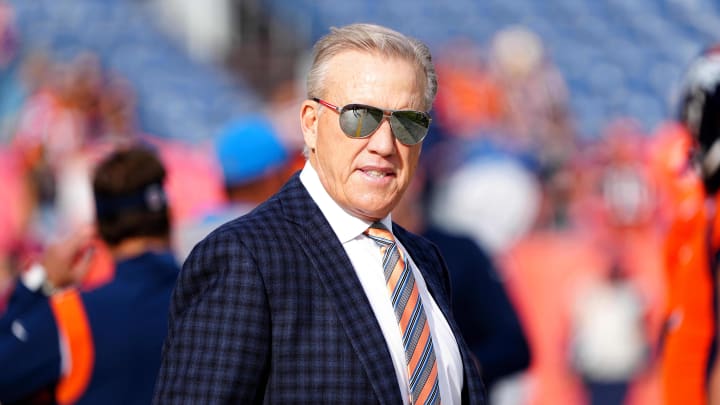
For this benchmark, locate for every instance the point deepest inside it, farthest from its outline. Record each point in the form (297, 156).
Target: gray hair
(372, 39)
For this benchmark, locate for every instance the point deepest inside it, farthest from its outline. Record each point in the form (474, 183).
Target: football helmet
(699, 112)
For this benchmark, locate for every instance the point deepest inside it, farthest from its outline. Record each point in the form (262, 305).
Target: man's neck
(136, 246)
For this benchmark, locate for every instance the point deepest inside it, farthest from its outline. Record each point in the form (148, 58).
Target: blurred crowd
(579, 232)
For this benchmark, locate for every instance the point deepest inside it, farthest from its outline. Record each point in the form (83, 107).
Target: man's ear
(309, 120)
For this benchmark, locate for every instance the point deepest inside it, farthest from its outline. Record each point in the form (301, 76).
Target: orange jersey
(689, 326)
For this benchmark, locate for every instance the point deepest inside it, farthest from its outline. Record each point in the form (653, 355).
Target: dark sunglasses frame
(352, 126)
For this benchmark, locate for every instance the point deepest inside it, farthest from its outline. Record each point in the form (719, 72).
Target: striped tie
(419, 353)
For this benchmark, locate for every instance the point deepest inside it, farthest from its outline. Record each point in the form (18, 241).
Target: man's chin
(370, 212)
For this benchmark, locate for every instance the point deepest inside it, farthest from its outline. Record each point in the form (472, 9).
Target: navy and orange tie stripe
(410, 313)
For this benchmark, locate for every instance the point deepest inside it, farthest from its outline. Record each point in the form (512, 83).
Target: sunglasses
(360, 121)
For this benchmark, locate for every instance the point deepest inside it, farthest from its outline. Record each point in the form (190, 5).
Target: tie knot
(379, 233)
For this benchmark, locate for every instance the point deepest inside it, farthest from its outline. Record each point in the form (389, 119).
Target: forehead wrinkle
(368, 86)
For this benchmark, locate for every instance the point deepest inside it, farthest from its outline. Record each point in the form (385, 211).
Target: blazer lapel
(338, 277)
(428, 267)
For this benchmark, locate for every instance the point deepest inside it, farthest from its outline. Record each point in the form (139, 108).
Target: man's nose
(382, 141)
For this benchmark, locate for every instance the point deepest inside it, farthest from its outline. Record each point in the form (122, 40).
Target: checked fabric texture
(410, 313)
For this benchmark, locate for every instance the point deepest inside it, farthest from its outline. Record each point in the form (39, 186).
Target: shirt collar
(346, 226)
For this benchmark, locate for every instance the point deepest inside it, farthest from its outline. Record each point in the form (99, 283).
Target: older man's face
(366, 176)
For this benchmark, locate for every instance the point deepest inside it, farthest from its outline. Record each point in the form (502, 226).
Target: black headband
(152, 198)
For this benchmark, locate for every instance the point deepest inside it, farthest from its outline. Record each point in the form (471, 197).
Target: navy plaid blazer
(268, 309)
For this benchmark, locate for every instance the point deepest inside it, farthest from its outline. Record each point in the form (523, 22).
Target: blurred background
(552, 146)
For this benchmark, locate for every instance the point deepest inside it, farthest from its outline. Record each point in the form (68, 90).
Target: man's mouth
(376, 173)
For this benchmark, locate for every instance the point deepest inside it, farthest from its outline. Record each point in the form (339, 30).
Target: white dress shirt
(366, 259)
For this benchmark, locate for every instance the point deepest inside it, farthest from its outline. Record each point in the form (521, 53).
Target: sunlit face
(366, 176)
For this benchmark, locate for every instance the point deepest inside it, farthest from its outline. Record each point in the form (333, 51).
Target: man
(59, 344)
(290, 303)
(690, 371)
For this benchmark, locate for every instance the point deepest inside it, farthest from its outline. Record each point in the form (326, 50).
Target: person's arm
(485, 314)
(29, 334)
(29, 346)
(218, 344)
